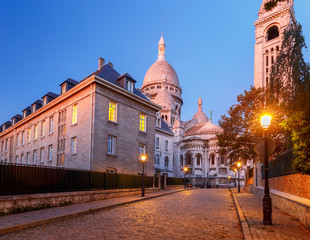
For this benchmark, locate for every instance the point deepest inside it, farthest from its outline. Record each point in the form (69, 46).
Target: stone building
(100, 123)
(194, 142)
(269, 29)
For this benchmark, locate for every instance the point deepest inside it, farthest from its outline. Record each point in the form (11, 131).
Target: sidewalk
(284, 226)
(16, 222)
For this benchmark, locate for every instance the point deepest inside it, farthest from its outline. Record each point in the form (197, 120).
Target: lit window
(28, 157)
(129, 86)
(36, 132)
(157, 142)
(166, 145)
(111, 144)
(112, 111)
(73, 145)
(63, 89)
(29, 135)
(50, 152)
(141, 149)
(34, 156)
(16, 159)
(22, 159)
(42, 128)
(142, 122)
(17, 140)
(74, 114)
(51, 125)
(166, 162)
(23, 138)
(42, 155)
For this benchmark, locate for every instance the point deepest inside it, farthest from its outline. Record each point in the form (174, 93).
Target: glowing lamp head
(143, 158)
(265, 121)
(239, 164)
(235, 170)
(229, 177)
(185, 169)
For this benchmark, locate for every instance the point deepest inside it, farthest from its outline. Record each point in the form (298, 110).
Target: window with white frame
(129, 86)
(74, 114)
(112, 111)
(157, 159)
(51, 125)
(42, 128)
(50, 153)
(17, 140)
(166, 145)
(36, 132)
(23, 138)
(22, 158)
(28, 157)
(142, 149)
(34, 156)
(73, 146)
(29, 135)
(142, 122)
(42, 155)
(157, 142)
(111, 144)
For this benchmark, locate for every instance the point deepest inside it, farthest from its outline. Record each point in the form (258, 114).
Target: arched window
(198, 159)
(189, 159)
(223, 159)
(212, 159)
(181, 161)
(272, 33)
(157, 142)
(157, 159)
(166, 162)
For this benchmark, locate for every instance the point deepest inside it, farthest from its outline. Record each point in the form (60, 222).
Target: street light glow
(143, 158)
(265, 121)
(239, 164)
(185, 169)
(229, 177)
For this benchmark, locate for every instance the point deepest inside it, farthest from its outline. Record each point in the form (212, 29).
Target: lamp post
(267, 204)
(229, 181)
(239, 165)
(235, 170)
(185, 171)
(143, 160)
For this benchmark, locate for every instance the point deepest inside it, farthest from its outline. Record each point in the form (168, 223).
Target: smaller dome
(200, 116)
(163, 97)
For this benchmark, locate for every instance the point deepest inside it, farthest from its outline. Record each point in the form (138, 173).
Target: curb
(244, 225)
(23, 226)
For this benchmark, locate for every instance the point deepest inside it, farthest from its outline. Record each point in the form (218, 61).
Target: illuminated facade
(269, 29)
(100, 123)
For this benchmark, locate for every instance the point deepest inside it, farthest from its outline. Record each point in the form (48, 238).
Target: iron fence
(282, 165)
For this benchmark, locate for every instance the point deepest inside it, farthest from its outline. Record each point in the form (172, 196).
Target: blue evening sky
(209, 43)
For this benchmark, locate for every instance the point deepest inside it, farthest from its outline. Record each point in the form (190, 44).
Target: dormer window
(24, 114)
(44, 101)
(33, 108)
(129, 86)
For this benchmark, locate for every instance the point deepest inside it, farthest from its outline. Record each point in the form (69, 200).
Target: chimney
(110, 64)
(100, 63)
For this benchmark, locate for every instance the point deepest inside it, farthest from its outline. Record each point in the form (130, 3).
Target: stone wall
(296, 184)
(19, 203)
(295, 206)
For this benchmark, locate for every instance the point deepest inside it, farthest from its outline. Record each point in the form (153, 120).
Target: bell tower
(269, 29)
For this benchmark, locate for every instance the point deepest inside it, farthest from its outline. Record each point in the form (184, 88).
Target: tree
(272, 4)
(242, 126)
(290, 88)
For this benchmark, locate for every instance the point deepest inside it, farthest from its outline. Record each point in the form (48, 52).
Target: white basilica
(191, 144)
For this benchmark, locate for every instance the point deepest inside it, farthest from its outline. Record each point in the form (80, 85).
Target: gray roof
(164, 127)
(70, 80)
(18, 116)
(39, 101)
(51, 94)
(128, 76)
(27, 108)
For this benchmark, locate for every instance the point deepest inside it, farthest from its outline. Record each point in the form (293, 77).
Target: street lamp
(143, 160)
(229, 181)
(267, 204)
(239, 165)
(185, 171)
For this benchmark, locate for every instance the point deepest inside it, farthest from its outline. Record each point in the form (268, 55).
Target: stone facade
(74, 131)
(269, 29)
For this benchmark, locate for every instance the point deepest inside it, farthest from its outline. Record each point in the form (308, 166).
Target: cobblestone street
(196, 214)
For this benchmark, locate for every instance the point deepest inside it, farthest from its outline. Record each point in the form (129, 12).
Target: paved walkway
(196, 214)
(284, 226)
(15, 222)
